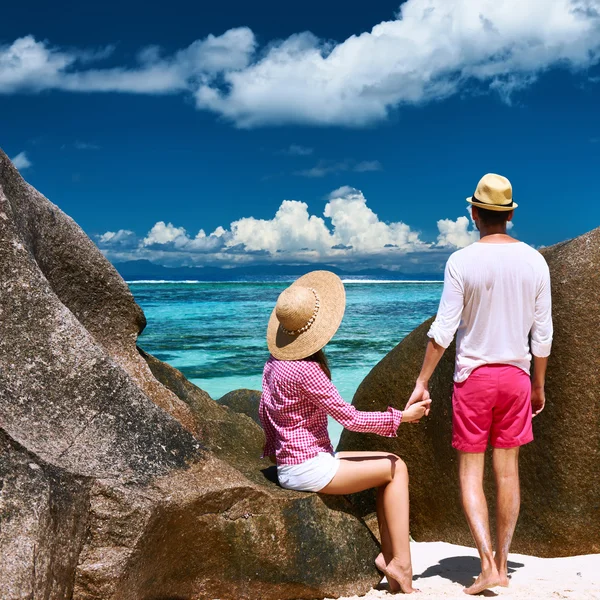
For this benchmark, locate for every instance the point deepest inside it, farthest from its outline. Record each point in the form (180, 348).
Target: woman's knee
(399, 468)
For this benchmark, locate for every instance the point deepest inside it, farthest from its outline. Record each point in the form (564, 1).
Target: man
(497, 295)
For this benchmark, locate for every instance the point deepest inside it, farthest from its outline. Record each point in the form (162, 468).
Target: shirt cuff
(442, 338)
(540, 349)
(396, 420)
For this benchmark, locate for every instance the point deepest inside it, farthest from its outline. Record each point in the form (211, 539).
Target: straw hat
(493, 192)
(306, 316)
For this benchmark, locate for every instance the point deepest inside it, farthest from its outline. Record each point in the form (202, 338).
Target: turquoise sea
(215, 332)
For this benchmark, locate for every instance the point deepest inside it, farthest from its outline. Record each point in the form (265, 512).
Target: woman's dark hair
(492, 217)
(319, 357)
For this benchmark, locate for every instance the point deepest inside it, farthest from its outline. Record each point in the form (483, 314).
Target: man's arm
(442, 330)
(541, 342)
(433, 354)
(538, 380)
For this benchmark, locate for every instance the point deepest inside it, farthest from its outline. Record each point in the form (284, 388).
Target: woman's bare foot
(486, 580)
(392, 583)
(401, 574)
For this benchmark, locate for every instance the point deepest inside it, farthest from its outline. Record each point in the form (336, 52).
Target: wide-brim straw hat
(306, 316)
(494, 192)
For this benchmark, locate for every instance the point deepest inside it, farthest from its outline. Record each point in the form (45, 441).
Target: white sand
(442, 570)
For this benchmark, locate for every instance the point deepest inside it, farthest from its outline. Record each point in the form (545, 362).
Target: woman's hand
(415, 412)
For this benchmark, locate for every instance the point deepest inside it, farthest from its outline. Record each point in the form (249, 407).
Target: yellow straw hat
(306, 316)
(493, 192)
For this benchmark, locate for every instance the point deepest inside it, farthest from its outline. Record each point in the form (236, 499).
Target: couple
(497, 295)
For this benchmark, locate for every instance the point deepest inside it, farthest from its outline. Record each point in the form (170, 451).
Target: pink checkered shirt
(297, 397)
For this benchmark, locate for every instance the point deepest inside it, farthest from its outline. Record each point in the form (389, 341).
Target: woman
(297, 397)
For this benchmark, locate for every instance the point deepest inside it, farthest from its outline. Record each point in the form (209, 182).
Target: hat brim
(332, 296)
(495, 207)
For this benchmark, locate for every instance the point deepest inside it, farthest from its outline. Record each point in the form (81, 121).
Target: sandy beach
(442, 570)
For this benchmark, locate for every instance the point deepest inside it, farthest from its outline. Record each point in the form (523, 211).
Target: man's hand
(538, 399)
(420, 393)
(416, 412)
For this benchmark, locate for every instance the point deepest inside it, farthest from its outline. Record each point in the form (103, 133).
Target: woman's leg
(386, 544)
(360, 471)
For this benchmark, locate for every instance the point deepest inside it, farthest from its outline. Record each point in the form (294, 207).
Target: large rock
(114, 486)
(245, 402)
(560, 470)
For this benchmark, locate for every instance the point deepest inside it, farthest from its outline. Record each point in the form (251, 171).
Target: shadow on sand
(461, 569)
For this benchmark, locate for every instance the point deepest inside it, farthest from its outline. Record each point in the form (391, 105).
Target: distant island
(137, 270)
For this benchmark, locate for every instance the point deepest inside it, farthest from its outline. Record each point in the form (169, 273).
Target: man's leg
(508, 503)
(470, 467)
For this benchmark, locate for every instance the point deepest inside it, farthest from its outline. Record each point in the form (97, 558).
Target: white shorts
(310, 476)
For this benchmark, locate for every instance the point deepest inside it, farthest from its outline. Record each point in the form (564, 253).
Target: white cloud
(456, 234)
(292, 229)
(163, 233)
(21, 161)
(167, 236)
(434, 49)
(29, 65)
(356, 225)
(348, 232)
(431, 50)
(123, 238)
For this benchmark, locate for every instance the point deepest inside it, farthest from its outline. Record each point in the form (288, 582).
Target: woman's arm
(270, 433)
(320, 391)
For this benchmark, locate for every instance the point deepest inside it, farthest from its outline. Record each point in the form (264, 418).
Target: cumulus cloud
(432, 49)
(21, 161)
(165, 236)
(123, 238)
(456, 234)
(356, 225)
(347, 232)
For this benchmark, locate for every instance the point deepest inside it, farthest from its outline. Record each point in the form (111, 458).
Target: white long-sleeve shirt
(498, 298)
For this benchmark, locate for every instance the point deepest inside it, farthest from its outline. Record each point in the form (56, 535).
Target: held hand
(538, 400)
(416, 412)
(419, 394)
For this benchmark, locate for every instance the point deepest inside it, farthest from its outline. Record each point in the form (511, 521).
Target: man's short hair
(493, 217)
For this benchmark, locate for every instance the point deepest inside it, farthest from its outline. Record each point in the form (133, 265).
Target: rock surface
(560, 473)
(115, 486)
(245, 402)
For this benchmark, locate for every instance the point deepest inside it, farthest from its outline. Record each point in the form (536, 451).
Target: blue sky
(147, 125)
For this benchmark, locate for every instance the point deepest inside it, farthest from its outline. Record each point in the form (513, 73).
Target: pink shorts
(493, 403)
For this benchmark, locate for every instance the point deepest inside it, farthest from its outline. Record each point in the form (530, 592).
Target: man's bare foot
(484, 582)
(401, 574)
(392, 583)
(503, 573)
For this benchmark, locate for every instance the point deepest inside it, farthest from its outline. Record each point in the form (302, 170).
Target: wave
(350, 281)
(390, 281)
(166, 281)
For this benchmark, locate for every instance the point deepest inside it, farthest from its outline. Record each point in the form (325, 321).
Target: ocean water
(214, 333)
